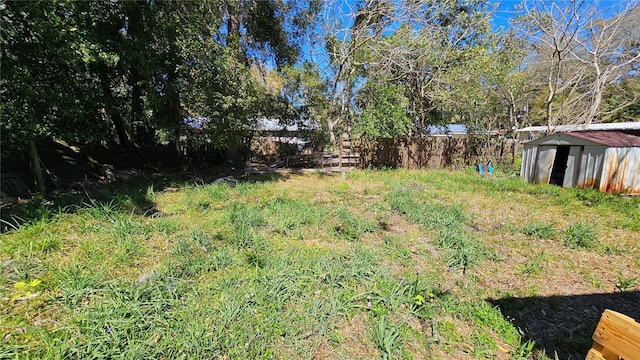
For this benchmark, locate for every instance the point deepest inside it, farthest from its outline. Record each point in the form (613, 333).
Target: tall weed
(247, 220)
(352, 227)
(539, 231)
(580, 235)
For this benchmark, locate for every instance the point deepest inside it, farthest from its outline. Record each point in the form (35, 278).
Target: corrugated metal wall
(573, 166)
(537, 162)
(590, 169)
(528, 162)
(589, 165)
(621, 170)
(544, 163)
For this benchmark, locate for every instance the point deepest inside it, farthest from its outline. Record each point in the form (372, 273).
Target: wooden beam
(617, 336)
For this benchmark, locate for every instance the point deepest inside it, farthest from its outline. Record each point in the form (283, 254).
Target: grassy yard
(378, 264)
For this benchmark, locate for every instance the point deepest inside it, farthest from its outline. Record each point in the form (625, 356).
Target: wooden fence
(437, 152)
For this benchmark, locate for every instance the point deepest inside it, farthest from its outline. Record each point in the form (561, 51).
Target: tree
(622, 101)
(439, 59)
(383, 111)
(348, 30)
(610, 50)
(306, 91)
(44, 89)
(133, 70)
(580, 53)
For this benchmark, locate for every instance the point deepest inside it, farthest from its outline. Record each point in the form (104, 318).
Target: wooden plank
(328, 170)
(344, 161)
(594, 355)
(340, 163)
(337, 154)
(618, 334)
(598, 352)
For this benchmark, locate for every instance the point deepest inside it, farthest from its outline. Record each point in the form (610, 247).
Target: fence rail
(437, 152)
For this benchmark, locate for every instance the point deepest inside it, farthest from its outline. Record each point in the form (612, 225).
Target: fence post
(340, 154)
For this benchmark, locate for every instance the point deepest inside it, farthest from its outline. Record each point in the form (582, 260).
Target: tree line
(137, 72)
(133, 71)
(397, 67)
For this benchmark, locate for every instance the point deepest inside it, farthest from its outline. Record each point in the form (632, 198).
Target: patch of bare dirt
(355, 338)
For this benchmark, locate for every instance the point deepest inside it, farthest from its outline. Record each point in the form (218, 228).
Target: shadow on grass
(130, 193)
(565, 324)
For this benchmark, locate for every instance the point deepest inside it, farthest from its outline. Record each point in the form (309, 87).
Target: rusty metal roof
(609, 138)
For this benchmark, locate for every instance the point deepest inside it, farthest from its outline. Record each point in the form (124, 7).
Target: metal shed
(605, 160)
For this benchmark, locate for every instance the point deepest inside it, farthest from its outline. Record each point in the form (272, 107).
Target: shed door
(573, 164)
(544, 162)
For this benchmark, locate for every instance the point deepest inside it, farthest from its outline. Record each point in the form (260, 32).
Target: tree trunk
(35, 167)
(554, 76)
(123, 136)
(549, 108)
(114, 114)
(598, 89)
(118, 122)
(332, 135)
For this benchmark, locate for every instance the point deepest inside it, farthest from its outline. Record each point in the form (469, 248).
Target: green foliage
(386, 337)
(580, 235)
(524, 351)
(262, 265)
(218, 192)
(532, 267)
(352, 227)
(35, 240)
(384, 83)
(539, 231)
(397, 249)
(247, 220)
(464, 250)
(605, 203)
(85, 71)
(44, 93)
(431, 215)
(77, 285)
(618, 100)
(625, 284)
(150, 195)
(384, 112)
(291, 215)
(306, 90)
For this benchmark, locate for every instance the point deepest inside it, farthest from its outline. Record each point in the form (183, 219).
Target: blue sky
(507, 8)
(504, 13)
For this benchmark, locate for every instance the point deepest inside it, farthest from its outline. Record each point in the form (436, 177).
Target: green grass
(580, 235)
(535, 264)
(431, 215)
(379, 264)
(539, 231)
(453, 235)
(351, 227)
